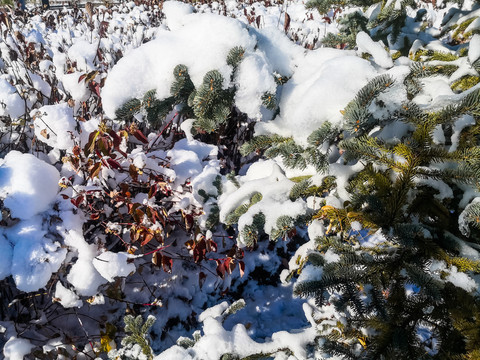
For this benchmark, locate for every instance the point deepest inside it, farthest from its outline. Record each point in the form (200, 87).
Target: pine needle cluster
(137, 338)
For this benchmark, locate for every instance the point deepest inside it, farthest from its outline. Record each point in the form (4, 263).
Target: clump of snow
(462, 221)
(274, 187)
(35, 258)
(461, 280)
(254, 78)
(333, 201)
(188, 157)
(376, 49)
(317, 92)
(474, 48)
(213, 312)
(66, 297)
(10, 102)
(174, 12)
(330, 256)
(460, 124)
(310, 273)
(316, 229)
(282, 54)
(28, 185)
(55, 125)
(153, 63)
(356, 226)
(111, 265)
(83, 275)
(16, 348)
(83, 53)
(444, 191)
(77, 89)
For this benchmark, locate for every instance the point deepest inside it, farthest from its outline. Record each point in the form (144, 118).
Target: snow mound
(28, 185)
(153, 62)
(317, 92)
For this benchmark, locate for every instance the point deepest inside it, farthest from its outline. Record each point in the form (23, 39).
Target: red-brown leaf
(241, 267)
(167, 263)
(147, 238)
(199, 251)
(286, 25)
(95, 170)
(113, 163)
(139, 136)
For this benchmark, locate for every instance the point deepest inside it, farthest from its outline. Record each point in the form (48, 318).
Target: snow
(111, 265)
(50, 246)
(183, 45)
(28, 185)
(254, 78)
(189, 157)
(67, 297)
(376, 49)
(83, 275)
(274, 187)
(55, 125)
(462, 280)
(218, 341)
(462, 221)
(10, 102)
(459, 125)
(174, 12)
(16, 349)
(83, 52)
(35, 257)
(474, 48)
(317, 92)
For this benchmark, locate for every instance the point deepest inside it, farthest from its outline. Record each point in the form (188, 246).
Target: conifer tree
(397, 298)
